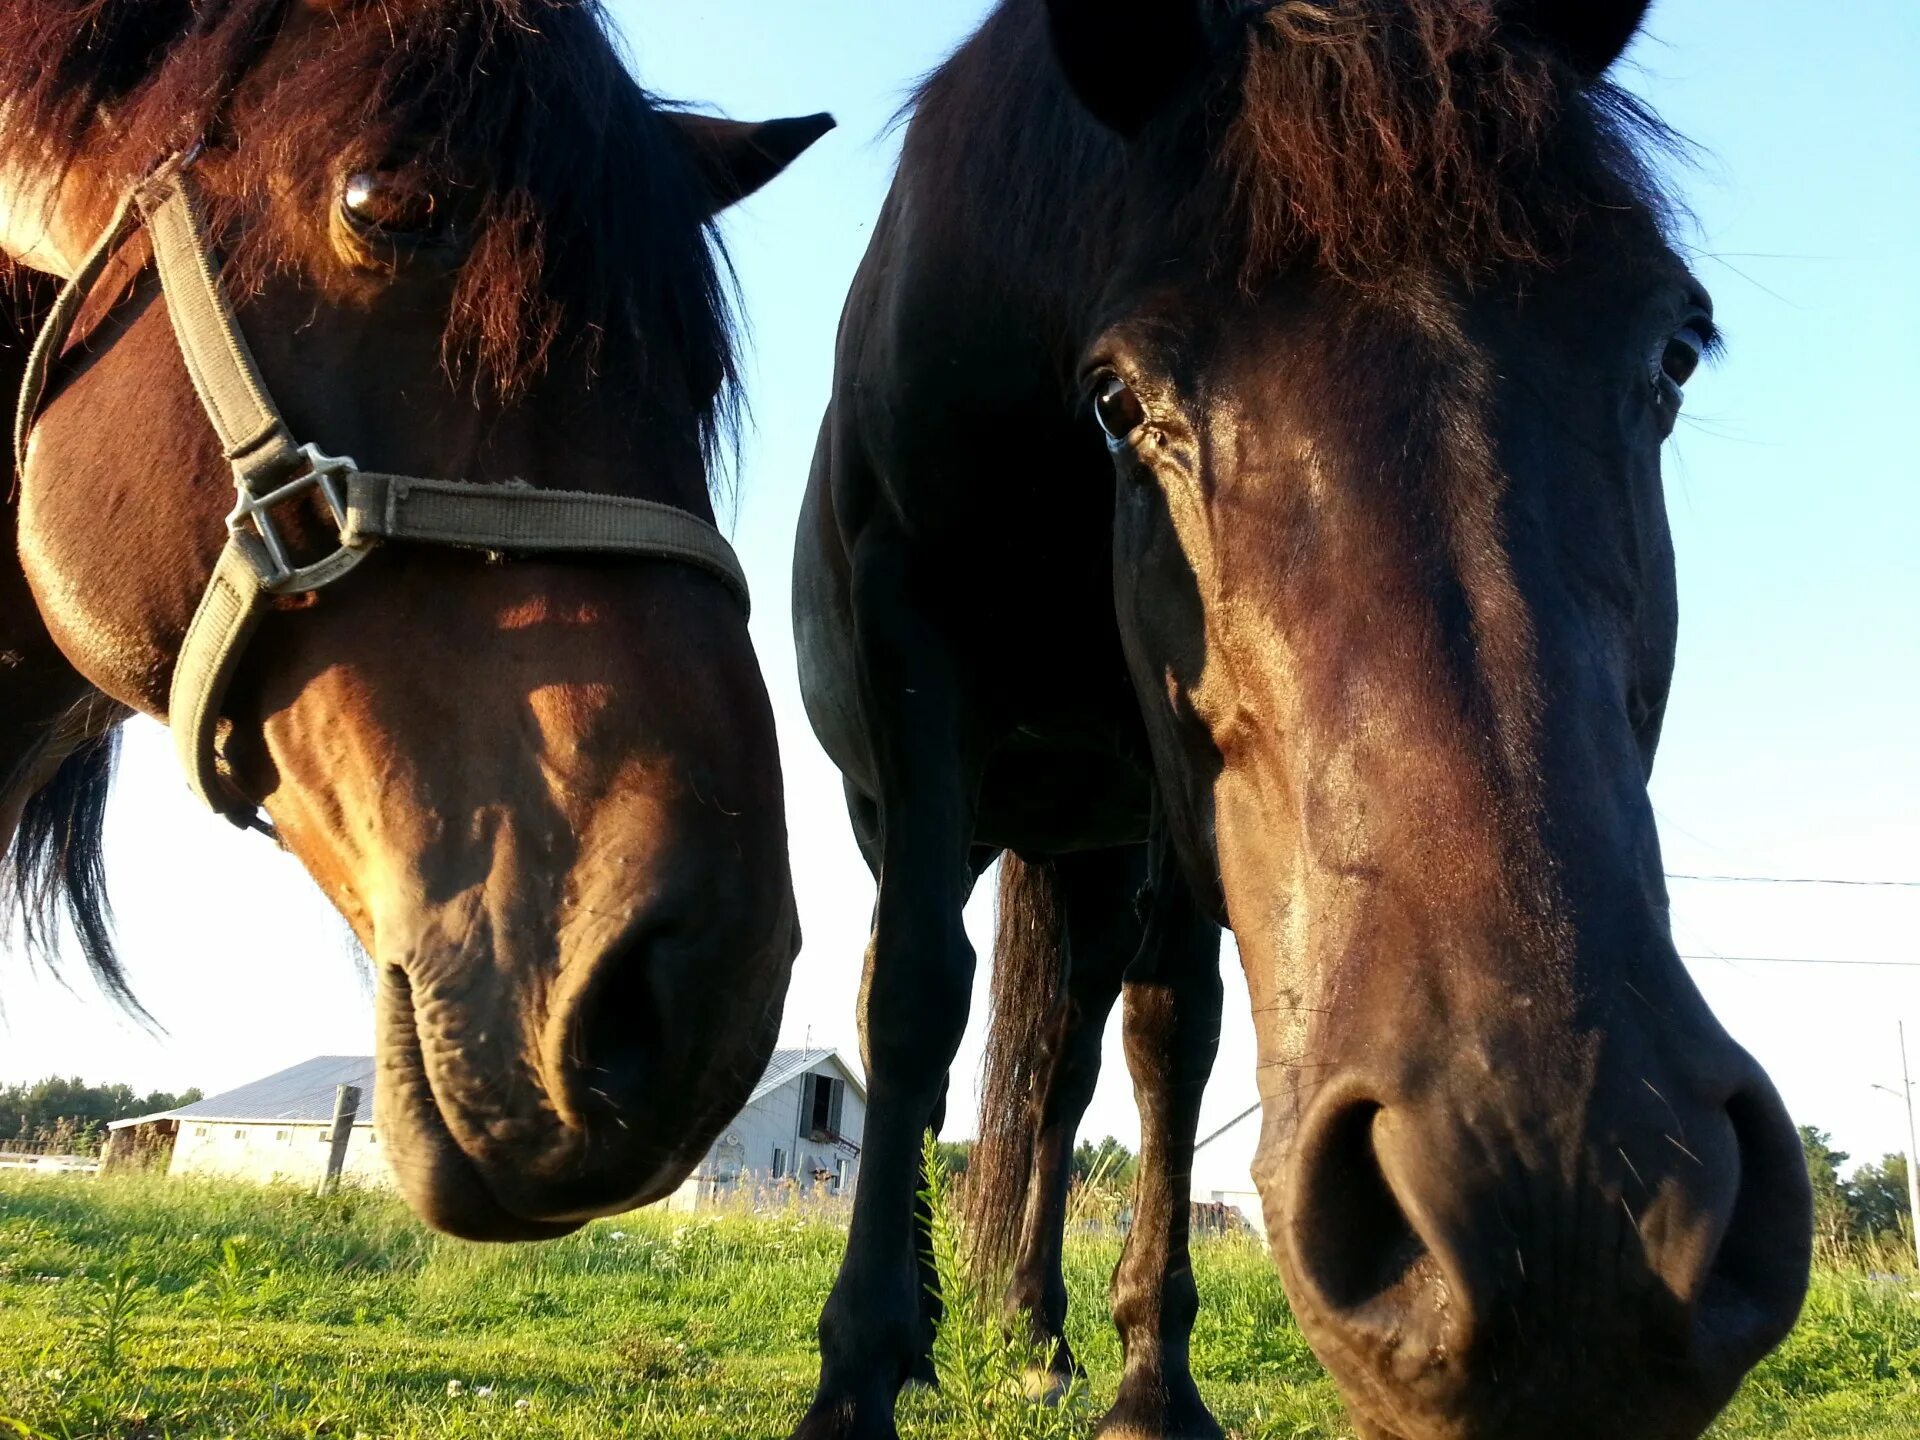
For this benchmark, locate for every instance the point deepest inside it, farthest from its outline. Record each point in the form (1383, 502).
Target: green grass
(140, 1310)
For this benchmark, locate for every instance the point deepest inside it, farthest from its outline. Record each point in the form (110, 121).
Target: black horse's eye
(1118, 409)
(384, 204)
(1677, 363)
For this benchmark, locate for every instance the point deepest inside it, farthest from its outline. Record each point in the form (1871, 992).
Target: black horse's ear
(737, 157)
(1590, 33)
(1126, 59)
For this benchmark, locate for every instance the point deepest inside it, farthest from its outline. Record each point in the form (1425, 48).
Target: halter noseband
(270, 469)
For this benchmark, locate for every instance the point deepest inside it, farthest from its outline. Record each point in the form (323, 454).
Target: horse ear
(736, 158)
(1593, 34)
(1126, 59)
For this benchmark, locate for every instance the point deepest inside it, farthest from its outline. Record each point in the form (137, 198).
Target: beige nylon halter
(270, 469)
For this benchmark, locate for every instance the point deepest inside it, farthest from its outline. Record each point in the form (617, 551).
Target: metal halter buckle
(254, 513)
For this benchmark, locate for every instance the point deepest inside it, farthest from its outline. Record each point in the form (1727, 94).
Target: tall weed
(983, 1361)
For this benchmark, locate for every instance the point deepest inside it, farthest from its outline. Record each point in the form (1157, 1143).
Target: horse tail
(1029, 973)
(56, 866)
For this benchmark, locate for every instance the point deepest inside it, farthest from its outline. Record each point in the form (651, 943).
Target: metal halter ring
(252, 524)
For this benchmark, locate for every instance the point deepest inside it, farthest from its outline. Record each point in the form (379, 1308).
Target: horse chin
(440, 1181)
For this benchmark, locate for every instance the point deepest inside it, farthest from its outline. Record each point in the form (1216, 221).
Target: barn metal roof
(300, 1094)
(303, 1094)
(787, 1065)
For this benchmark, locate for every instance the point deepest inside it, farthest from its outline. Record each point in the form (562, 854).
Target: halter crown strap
(270, 469)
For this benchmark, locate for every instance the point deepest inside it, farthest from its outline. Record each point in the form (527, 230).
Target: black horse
(1241, 502)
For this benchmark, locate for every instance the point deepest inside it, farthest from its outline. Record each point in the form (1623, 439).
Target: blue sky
(1792, 485)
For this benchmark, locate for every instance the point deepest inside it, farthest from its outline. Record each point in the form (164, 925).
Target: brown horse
(460, 242)
(1242, 484)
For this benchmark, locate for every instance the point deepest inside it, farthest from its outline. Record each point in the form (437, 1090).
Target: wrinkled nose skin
(1471, 1267)
(638, 1056)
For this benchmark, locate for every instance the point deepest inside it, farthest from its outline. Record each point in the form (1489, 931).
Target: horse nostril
(1758, 1277)
(1354, 1242)
(615, 1034)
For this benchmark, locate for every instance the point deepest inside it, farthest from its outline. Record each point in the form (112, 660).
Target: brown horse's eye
(382, 204)
(1118, 409)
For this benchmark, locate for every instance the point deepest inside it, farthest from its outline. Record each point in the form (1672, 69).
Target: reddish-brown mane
(1369, 136)
(587, 222)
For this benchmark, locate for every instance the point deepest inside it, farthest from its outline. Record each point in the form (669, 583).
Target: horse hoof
(1158, 1416)
(1131, 1429)
(1045, 1387)
(844, 1420)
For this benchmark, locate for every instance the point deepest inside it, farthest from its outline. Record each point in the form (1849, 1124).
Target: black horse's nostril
(1435, 1243)
(1753, 1291)
(1362, 1246)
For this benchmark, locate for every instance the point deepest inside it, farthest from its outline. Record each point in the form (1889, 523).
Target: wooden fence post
(346, 1105)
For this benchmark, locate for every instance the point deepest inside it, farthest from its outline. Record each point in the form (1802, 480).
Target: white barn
(274, 1129)
(801, 1127)
(1223, 1168)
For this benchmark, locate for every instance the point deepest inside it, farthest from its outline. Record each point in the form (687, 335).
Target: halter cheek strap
(270, 469)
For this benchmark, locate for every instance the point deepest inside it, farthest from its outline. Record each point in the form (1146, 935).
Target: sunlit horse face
(545, 794)
(1397, 588)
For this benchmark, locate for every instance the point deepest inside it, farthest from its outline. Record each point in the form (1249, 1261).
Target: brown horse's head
(1388, 347)
(463, 244)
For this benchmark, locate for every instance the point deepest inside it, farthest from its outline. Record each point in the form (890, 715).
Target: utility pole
(1913, 1146)
(1913, 1142)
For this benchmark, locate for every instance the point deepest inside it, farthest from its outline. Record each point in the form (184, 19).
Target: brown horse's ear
(1126, 59)
(1592, 34)
(737, 158)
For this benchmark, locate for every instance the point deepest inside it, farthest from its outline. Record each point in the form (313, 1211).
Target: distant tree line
(1871, 1204)
(55, 1110)
(1108, 1163)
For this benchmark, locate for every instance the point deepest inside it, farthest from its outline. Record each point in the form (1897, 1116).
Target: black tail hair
(1029, 973)
(57, 866)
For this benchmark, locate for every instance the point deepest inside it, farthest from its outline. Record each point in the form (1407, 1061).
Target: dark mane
(588, 226)
(55, 869)
(1367, 136)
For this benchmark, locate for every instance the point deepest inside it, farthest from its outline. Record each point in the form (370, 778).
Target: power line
(1799, 880)
(1807, 960)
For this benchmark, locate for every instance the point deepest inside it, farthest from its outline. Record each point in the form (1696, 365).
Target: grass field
(138, 1310)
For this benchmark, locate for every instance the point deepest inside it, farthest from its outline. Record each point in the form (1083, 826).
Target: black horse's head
(1386, 355)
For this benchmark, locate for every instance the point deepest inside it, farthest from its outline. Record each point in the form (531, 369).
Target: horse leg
(1172, 1028)
(914, 997)
(1097, 893)
(866, 826)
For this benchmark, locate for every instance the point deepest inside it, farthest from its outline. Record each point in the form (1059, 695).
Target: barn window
(840, 1175)
(779, 1163)
(240, 1134)
(822, 1101)
(283, 1135)
(200, 1130)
